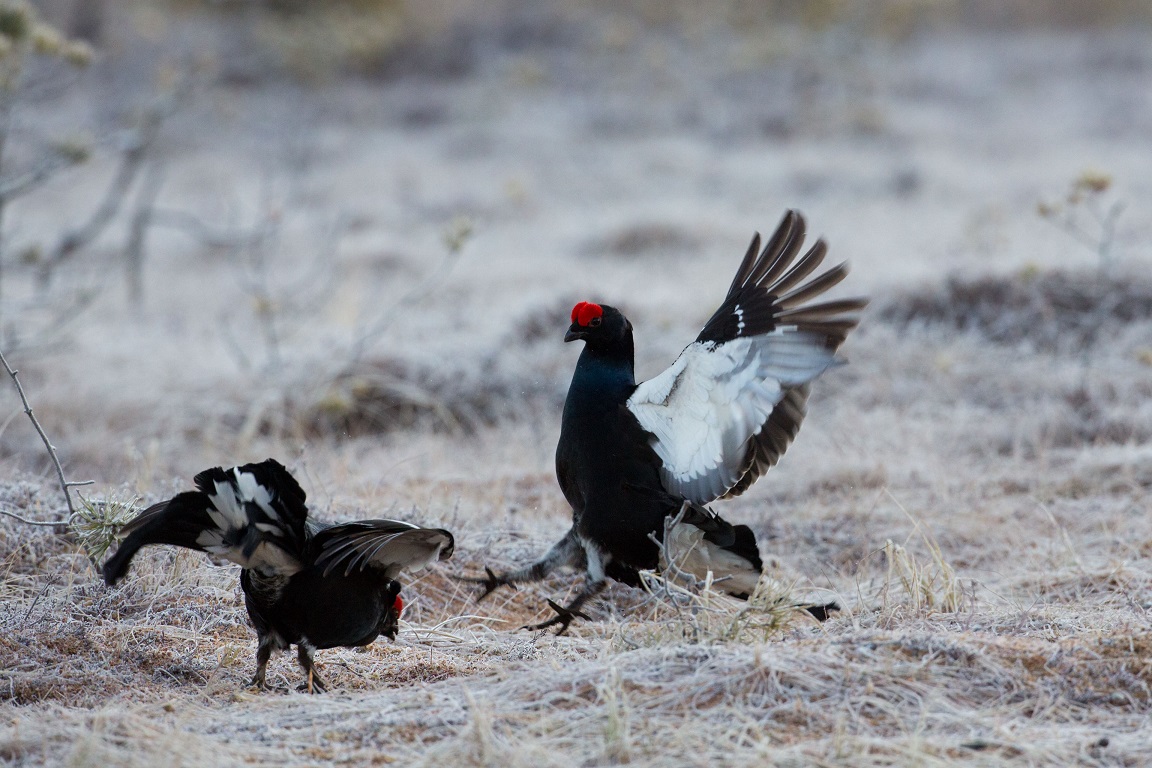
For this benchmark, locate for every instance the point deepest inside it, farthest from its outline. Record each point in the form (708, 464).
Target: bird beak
(574, 333)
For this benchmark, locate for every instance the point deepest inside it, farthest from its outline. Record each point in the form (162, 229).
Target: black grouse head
(391, 624)
(600, 326)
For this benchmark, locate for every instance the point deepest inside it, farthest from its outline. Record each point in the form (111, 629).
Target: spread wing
(388, 545)
(726, 410)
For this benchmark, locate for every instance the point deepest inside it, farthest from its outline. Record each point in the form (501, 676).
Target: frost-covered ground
(973, 488)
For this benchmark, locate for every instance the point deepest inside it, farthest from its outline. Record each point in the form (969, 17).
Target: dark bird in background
(305, 583)
(632, 455)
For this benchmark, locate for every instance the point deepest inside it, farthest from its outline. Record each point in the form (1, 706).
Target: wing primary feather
(806, 266)
(821, 311)
(746, 265)
(814, 288)
(780, 251)
(355, 559)
(372, 547)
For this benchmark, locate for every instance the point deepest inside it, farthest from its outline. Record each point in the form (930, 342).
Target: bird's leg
(304, 651)
(567, 551)
(263, 653)
(594, 582)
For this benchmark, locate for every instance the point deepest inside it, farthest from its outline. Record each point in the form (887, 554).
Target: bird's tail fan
(253, 515)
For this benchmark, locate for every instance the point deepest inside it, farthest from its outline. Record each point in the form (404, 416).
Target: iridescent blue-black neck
(605, 374)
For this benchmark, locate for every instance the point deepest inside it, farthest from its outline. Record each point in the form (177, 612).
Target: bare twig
(35, 176)
(138, 232)
(1085, 201)
(136, 150)
(25, 35)
(65, 485)
(265, 240)
(6, 104)
(26, 521)
(65, 312)
(196, 228)
(672, 571)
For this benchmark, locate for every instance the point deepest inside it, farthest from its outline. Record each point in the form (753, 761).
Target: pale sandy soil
(1004, 465)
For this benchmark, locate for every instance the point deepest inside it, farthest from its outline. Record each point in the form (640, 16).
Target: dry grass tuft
(928, 586)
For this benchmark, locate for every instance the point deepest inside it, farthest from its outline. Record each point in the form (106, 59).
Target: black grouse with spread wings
(632, 455)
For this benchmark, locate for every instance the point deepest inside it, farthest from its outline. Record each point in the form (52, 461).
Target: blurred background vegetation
(317, 40)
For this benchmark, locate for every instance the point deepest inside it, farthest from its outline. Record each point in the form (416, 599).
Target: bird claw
(564, 617)
(491, 582)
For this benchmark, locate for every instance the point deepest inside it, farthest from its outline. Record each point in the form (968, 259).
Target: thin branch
(64, 314)
(26, 521)
(135, 152)
(49, 583)
(6, 104)
(257, 285)
(198, 229)
(32, 178)
(138, 232)
(64, 484)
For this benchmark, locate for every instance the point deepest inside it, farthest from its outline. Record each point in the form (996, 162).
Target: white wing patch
(703, 409)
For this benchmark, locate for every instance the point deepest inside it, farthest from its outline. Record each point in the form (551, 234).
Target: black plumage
(631, 456)
(305, 583)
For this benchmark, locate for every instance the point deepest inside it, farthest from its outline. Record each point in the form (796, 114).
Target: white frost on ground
(637, 181)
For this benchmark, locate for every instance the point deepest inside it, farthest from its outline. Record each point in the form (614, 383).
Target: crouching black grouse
(305, 583)
(630, 456)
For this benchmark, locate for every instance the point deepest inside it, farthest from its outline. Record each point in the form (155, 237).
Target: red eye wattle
(584, 312)
(398, 606)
